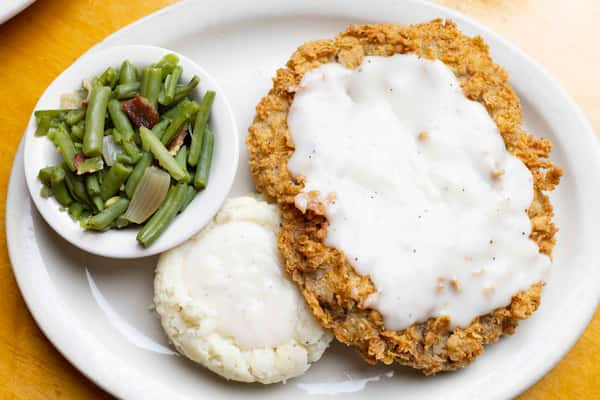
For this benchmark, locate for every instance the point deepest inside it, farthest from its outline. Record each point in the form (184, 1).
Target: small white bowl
(40, 152)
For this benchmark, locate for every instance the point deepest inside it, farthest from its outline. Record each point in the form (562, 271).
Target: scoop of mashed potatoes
(225, 303)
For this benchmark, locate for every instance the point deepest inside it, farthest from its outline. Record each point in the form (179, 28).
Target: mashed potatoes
(225, 303)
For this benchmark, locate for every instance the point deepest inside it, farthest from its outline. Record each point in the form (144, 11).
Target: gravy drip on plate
(418, 188)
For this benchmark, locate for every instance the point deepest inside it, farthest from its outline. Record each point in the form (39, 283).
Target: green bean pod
(46, 192)
(98, 203)
(203, 168)
(120, 119)
(190, 193)
(94, 120)
(178, 120)
(199, 127)
(131, 148)
(75, 210)
(137, 173)
(159, 129)
(62, 140)
(76, 186)
(103, 219)
(167, 64)
(168, 94)
(45, 175)
(121, 222)
(128, 160)
(126, 90)
(92, 185)
(183, 90)
(44, 118)
(90, 165)
(151, 83)
(59, 188)
(108, 78)
(174, 110)
(114, 178)
(127, 73)
(160, 152)
(162, 218)
(73, 117)
(77, 131)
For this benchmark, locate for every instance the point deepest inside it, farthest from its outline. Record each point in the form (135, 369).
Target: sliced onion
(70, 101)
(110, 150)
(148, 195)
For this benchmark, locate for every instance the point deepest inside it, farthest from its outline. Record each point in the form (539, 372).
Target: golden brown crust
(335, 292)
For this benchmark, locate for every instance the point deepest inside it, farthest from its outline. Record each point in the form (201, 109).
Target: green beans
(179, 118)
(75, 210)
(119, 119)
(102, 220)
(92, 185)
(172, 204)
(151, 83)
(62, 140)
(44, 118)
(137, 173)
(125, 159)
(45, 175)
(74, 116)
(181, 159)
(159, 129)
(108, 78)
(183, 90)
(46, 192)
(128, 73)
(190, 193)
(203, 168)
(59, 187)
(199, 127)
(114, 178)
(131, 148)
(118, 102)
(76, 187)
(126, 90)
(167, 96)
(167, 64)
(77, 131)
(94, 120)
(160, 152)
(121, 222)
(91, 164)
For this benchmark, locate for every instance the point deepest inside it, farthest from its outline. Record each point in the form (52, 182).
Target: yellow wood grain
(39, 43)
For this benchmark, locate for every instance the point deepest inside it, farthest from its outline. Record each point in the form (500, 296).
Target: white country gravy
(420, 191)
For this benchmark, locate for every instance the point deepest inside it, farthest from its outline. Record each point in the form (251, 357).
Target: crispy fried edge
(333, 289)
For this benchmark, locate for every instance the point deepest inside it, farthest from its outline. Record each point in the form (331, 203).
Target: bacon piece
(140, 112)
(176, 143)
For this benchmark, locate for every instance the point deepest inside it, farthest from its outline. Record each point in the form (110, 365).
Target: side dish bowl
(40, 152)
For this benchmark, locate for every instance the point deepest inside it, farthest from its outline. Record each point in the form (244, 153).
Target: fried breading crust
(335, 292)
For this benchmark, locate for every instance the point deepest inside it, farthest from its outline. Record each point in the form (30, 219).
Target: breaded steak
(335, 292)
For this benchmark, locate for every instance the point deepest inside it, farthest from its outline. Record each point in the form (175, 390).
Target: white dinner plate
(97, 310)
(10, 8)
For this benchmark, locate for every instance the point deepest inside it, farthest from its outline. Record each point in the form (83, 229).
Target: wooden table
(39, 43)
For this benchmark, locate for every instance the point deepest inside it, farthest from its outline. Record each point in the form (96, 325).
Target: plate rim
(118, 388)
